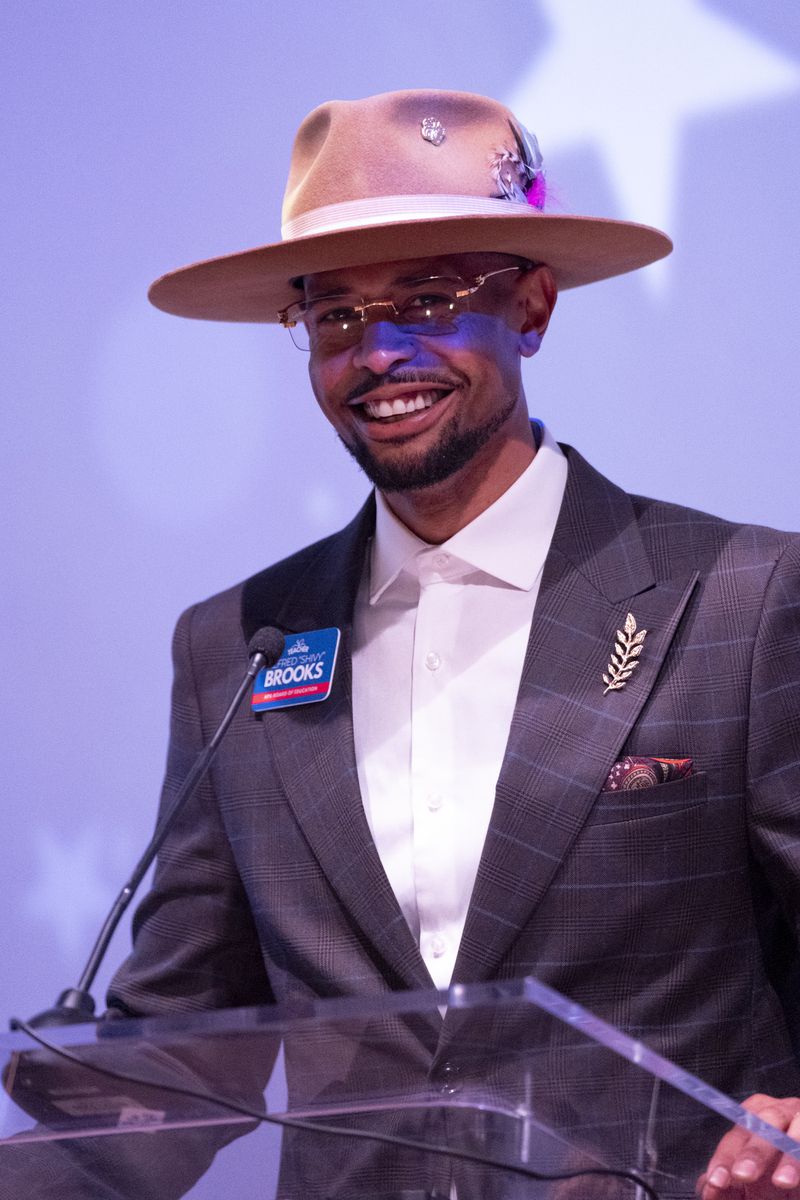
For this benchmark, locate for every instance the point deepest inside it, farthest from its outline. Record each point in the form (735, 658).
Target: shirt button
(441, 560)
(438, 946)
(432, 661)
(434, 802)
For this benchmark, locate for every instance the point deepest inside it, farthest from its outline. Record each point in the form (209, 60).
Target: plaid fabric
(671, 910)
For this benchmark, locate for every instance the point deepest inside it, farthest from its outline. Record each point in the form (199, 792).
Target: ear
(538, 295)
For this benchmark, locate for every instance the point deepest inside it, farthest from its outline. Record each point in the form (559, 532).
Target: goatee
(452, 452)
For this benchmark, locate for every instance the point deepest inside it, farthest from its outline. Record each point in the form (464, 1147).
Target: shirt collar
(508, 541)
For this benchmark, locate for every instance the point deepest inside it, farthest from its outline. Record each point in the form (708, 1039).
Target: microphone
(266, 644)
(76, 1005)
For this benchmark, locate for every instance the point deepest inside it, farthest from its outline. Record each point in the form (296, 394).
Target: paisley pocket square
(636, 772)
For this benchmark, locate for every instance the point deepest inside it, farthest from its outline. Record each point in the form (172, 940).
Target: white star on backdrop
(72, 889)
(626, 78)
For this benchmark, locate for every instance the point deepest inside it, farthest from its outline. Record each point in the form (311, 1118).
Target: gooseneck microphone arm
(75, 1005)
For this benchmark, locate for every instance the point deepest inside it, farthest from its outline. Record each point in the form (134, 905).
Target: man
(520, 641)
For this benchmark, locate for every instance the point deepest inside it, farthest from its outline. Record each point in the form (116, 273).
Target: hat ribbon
(384, 210)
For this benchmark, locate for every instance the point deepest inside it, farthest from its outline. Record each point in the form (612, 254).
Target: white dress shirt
(440, 634)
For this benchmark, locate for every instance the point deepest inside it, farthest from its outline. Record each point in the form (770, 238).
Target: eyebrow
(439, 273)
(340, 291)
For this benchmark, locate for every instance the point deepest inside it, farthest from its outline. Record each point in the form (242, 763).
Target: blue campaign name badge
(302, 675)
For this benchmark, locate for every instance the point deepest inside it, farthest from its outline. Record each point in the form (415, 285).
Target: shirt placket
(433, 770)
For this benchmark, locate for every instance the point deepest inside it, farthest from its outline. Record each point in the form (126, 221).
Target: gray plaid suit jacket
(670, 911)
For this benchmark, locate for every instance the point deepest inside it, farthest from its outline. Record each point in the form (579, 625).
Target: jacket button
(448, 1075)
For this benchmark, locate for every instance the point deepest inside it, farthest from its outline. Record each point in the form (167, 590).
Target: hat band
(386, 210)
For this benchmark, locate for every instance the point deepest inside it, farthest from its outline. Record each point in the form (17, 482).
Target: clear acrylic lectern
(503, 1090)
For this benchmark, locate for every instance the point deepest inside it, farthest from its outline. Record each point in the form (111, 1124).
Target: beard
(455, 448)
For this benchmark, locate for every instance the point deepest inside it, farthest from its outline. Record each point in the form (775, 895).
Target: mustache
(371, 381)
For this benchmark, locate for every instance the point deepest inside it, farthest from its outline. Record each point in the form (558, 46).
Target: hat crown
(401, 176)
(409, 143)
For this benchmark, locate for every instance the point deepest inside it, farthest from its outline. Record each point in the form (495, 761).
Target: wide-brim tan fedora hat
(402, 175)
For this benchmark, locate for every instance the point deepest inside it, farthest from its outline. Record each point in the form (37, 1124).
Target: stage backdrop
(149, 461)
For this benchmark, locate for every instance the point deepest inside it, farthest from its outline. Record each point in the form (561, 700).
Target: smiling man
(564, 735)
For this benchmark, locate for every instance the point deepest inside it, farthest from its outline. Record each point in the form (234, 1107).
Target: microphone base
(72, 1007)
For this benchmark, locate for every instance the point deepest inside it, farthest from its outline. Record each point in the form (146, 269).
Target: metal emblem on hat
(432, 130)
(627, 648)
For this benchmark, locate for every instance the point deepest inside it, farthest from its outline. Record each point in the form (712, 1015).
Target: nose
(382, 344)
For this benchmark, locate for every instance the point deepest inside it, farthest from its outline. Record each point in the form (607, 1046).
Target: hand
(743, 1165)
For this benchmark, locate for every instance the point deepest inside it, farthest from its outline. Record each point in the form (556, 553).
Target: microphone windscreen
(268, 641)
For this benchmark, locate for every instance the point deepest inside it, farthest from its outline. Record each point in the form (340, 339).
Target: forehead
(363, 280)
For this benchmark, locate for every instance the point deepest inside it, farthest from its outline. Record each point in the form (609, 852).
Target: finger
(706, 1190)
(718, 1184)
(717, 1176)
(742, 1157)
(787, 1173)
(756, 1159)
(745, 1160)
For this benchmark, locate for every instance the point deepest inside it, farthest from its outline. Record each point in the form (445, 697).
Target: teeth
(400, 406)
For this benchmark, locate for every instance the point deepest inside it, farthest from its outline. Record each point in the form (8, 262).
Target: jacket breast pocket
(641, 803)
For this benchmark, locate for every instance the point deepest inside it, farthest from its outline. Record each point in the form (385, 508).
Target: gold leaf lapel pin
(627, 649)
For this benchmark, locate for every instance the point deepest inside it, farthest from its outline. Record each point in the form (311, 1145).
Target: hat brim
(255, 285)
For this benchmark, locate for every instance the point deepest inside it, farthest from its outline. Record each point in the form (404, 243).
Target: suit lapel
(564, 737)
(312, 746)
(566, 734)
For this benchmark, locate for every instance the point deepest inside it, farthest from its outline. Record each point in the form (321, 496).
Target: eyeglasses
(426, 307)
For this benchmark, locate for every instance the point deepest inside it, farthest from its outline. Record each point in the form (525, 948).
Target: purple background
(149, 461)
